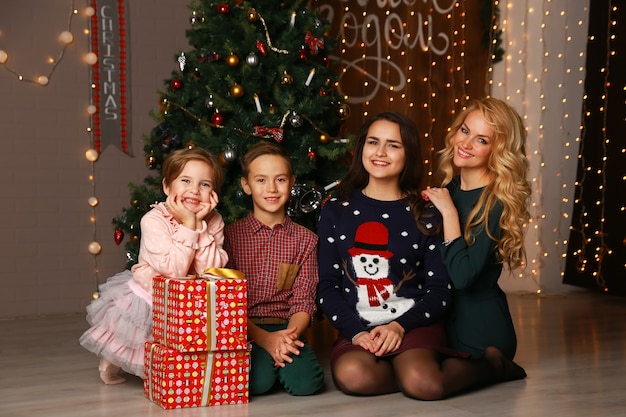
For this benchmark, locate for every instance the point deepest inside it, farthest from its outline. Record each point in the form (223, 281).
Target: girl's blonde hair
(508, 167)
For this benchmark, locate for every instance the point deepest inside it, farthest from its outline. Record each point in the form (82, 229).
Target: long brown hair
(411, 178)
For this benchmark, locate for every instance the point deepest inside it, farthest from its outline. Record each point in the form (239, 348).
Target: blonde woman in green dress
(484, 203)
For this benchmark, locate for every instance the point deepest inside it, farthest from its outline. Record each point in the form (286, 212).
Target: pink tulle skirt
(121, 323)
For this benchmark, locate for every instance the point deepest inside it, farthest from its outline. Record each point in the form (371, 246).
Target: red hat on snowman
(371, 238)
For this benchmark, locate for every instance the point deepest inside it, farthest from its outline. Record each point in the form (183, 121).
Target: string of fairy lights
(43, 79)
(65, 37)
(548, 107)
(92, 153)
(587, 236)
(523, 89)
(571, 25)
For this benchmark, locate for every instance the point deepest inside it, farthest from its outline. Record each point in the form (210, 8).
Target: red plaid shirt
(257, 251)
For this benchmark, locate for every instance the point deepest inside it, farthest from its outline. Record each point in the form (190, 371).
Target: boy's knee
(260, 386)
(304, 376)
(304, 385)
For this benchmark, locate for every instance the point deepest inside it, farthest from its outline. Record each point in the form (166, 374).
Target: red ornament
(118, 236)
(261, 47)
(217, 118)
(311, 154)
(223, 8)
(303, 53)
(176, 83)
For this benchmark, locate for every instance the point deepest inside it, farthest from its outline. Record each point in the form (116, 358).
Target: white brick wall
(45, 267)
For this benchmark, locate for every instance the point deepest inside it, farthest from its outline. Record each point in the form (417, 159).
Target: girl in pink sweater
(180, 237)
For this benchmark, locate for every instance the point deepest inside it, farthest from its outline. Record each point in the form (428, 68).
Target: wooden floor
(573, 348)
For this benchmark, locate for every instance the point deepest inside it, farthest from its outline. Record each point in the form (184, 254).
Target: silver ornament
(230, 155)
(252, 59)
(303, 200)
(209, 102)
(295, 120)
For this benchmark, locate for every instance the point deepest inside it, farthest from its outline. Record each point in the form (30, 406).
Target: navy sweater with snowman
(376, 266)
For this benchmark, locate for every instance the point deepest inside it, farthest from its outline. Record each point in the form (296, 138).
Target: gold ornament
(134, 239)
(232, 60)
(323, 138)
(272, 109)
(253, 15)
(163, 105)
(236, 90)
(344, 111)
(151, 160)
(286, 79)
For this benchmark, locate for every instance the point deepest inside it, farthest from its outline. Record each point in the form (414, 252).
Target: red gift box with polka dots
(200, 314)
(175, 379)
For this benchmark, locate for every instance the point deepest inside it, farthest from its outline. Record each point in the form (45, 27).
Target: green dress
(480, 314)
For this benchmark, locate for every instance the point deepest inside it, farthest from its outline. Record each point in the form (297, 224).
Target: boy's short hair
(264, 148)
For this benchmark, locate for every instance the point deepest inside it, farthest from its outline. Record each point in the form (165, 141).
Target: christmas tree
(257, 70)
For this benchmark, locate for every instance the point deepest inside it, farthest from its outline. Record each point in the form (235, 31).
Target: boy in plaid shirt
(279, 260)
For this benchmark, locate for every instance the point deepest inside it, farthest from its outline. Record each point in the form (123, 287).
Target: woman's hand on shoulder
(440, 197)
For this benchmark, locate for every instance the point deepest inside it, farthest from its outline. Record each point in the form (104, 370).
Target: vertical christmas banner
(110, 74)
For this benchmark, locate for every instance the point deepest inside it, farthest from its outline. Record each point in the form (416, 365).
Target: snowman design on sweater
(377, 301)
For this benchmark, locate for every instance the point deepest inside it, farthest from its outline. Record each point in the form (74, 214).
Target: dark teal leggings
(304, 376)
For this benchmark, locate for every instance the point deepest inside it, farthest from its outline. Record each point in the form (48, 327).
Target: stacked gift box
(199, 355)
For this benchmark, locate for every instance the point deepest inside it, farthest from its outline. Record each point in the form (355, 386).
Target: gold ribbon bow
(224, 272)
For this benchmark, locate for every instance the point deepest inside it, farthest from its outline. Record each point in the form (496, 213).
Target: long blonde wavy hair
(508, 167)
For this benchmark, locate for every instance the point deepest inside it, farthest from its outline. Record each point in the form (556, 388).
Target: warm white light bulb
(3, 56)
(66, 37)
(91, 155)
(91, 58)
(94, 248)
(43, 80)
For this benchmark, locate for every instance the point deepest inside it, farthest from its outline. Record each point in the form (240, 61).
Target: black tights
(420, 374)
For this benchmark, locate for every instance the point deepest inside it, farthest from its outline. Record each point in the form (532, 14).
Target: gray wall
(45, 266)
